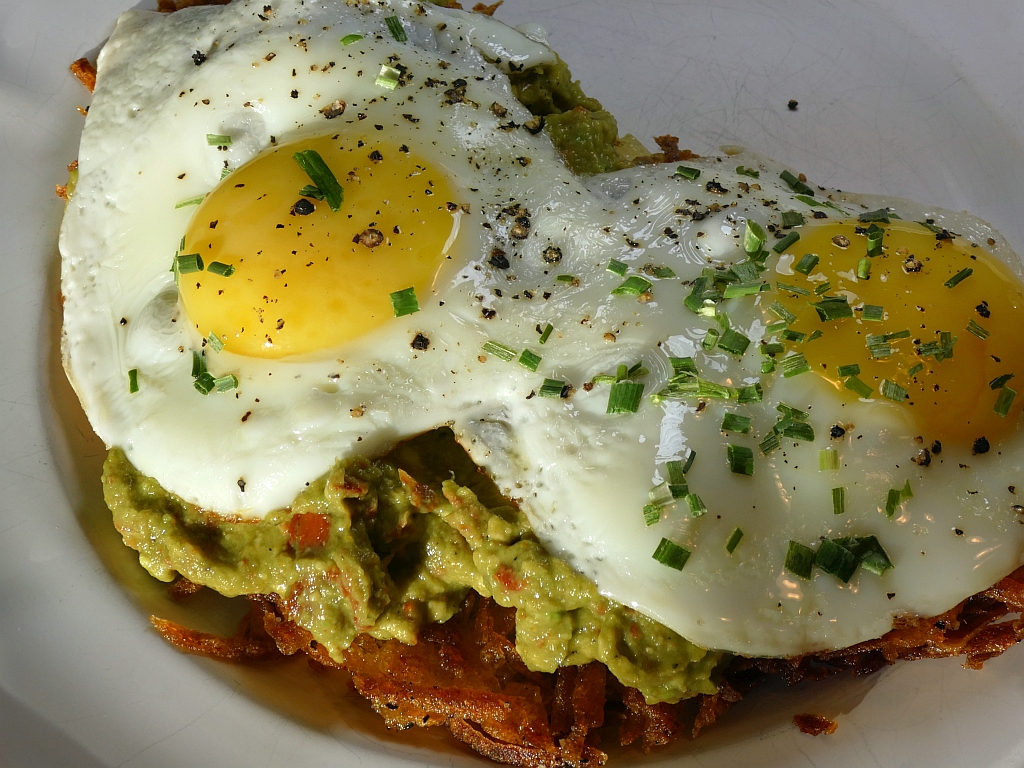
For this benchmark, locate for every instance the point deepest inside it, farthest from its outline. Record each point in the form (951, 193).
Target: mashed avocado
(367, 548)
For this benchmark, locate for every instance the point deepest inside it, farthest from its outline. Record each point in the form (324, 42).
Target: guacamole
(369, 548)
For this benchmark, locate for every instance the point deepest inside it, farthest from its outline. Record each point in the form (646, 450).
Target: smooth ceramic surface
(909, 98)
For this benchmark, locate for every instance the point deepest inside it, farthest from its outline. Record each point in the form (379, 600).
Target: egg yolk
(284, 274)
(935, 315)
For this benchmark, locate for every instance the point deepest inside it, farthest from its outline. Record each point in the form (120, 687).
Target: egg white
(581, 475)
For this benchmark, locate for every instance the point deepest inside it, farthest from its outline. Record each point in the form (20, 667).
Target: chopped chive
(633, 286)
(309, 160)
(687, 173)
(660, 495)
(198, 365)
(652, 514)
(977, 330)
(624, 397)
(710, 340)
(864, 269)
(915, 370)
(741, 459)
(745, 289)
(788, 288)
(880, 349)
(213, 342)
(733, 422)
(873, 313)
(734, 539)
(869, 552)
(388, 77)
(218, 140)
(664, 273)
(874, 235)
(906, 492)
(529, 360)
(782, 312)
(499, 350)
(751, 393)
(225, 383)
(696, 505)
(793, 413)
(404, 302)
(891, 336)
(671, 554)
(892, 391)
(770, 443)
(799, 559)
(191, 201)
(753, 237)
(1000, 381)
(848, 370)
(616, 267)
(734, 342)
(349, 39)
(751, 172)
(794, 365)
(794, 430)
(551, 388)
(683, 365)
(1004, 400)
(773, 348)
(795, 336)
(930, 227)
(792, 219)
(220, 268)
(676, 474)
(815, 334)
(225, 172)
(795, 184)
(838, 501)
(892, 501)
(823, 288)
(833, 308)
(959, 277)
(808, 200)
(311, 191)
(778, 325)
(828, 460)
(133, 381)
(205, 383)
(882, 214)
(396, 29)
(546, 334)
(187, 263)
(785, 242)
(836, 560)
(690, 458)
(858, 387)
(807, 262)
(566, 279)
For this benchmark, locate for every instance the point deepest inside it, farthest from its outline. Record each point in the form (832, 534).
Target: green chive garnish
(836, 560)
(770, 443)
(671, 554)
(741, 459)
(349, 39)
(823, 288)
(213, 342)
(663, 273)
(683, 365)
(873, 313)
(782, 312)
(753, 237)
(395, 28)
(187, 263)
(752, 393)
(745, 289)
(799, 560)
(959, 277)
(225, 172)
(388, 77)
(977, 330)
(792, 219)
(404, 302)
(751, 172)
(838, 501)
(696, 505)
(687, 172)
(848, 370)
(881, 214)
(874, 234)
(529, 360)
(546, 333)
(198, 364)
(551, 388)
(191, 201)
(869, 552)
(773, 348)
(815, 334)
(828, 460)
(499, 350)
(733, 422)
(892, 391)
(566, 278)
(1000, 381)
(734, 342)
(915, 370)
(785, 242)
(833, 308)
(616, 267)
(892, 500)
(710, 340)
(690, 458)
(225, 383)
(218, 140)
(858, 387)
(864, 269)
(1004, 400)
(652, 514)
(133, 381)
(205, 383)
(220, 268)
(734, 540)
(310, 191)
(795, 336)
(794, 365)
(807, 262)
(309, 160)
(624, 397)
(795, 184)
(788, 288)
(634, 286)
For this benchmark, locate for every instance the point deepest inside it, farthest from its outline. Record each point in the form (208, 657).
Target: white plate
(916, 99)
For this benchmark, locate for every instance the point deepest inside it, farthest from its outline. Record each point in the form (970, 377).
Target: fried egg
(769, 415)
